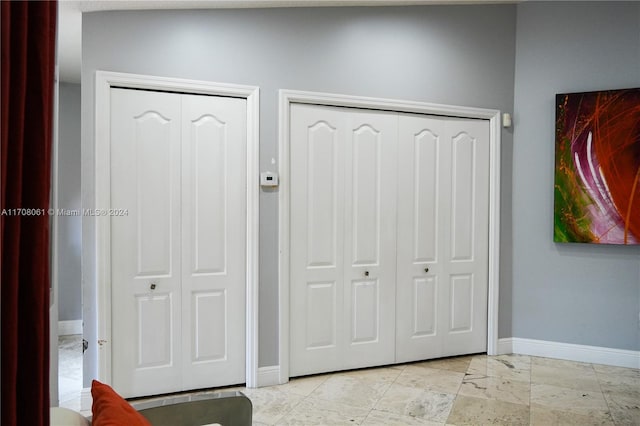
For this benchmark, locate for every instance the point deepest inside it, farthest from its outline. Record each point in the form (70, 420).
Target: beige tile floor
(469, 390)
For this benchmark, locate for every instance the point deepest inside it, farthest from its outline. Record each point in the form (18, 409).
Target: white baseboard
(66, 328)
(505, 346)
(269, 376)
(86, 400)
(570, 351)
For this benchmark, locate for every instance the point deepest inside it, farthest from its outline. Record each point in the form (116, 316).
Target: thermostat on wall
(268, 179)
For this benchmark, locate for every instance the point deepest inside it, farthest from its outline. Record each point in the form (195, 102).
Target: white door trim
(104, 81)
(286, 98)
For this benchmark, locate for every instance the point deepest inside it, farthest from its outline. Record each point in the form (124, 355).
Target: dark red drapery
(28, 67)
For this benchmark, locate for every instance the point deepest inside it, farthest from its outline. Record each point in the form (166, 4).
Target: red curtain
(28, 67)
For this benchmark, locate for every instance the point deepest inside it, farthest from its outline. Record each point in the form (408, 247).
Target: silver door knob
(152, 286)
(366, 273)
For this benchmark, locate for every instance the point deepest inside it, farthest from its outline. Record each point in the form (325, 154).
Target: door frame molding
(105, 80)
(288, 97)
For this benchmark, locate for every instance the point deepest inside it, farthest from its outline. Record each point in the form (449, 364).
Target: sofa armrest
(226, 408)
(65, 417)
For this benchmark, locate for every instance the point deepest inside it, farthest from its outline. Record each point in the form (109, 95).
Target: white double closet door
(178, 165)
(388, 237)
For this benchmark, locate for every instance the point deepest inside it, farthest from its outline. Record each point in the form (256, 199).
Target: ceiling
(70, 17)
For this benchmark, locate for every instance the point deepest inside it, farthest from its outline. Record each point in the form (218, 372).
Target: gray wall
(459, 55)
(573, 293)
(69, 227)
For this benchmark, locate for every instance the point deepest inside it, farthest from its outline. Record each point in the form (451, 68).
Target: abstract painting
(597, 167)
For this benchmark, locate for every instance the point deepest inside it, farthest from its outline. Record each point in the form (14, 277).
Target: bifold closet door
(342, 243)
(443, 225)
(145, 253)
(388, 237)
(178, 256)
(214, 229)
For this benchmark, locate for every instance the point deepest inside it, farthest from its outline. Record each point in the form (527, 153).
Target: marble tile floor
(70, 371)
(468, 390)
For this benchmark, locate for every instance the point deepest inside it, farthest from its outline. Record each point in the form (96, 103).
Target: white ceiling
(70, 17)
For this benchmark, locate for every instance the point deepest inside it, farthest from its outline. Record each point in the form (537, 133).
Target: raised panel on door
(154, 330)
(460, 303)
(209, 331)
(320, 318)
(213, 240)
(466, 262)
(316, 242)
(146, 299)
(463, 195)
(322, 203)
(424, 309)
(369, 238)
(365, 312)
(421, 164)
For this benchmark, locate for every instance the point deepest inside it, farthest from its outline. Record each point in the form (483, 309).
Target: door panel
(317, 253)
(463, 196)
(366, 195)
(153, 158)
(208, 171)
(461, 302)
(321, 303)
(468, 259)
(425, 195)
(369, 238)
(154, 330)
(366, 304)
(425, 306)
(208, 343)
(146, 299)
(213, 240)
(419, 271)
(322, 201)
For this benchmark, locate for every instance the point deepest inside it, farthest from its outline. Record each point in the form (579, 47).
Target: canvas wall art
(597, 167)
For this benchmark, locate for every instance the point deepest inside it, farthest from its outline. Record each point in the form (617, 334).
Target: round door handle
(426, 269)
(152, 286)
(366, 273)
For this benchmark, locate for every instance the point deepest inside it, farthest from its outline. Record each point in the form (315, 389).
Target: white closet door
(317, 252)
(442, 237)
(213, 240)
(370, 239)
(178, 164)
(145, 244)
(342, 239)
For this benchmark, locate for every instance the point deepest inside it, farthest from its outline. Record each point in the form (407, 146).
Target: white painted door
(214, 229)
(145, 180)
(443, 226)
(178, 256)
(342, 238)
(388, 237)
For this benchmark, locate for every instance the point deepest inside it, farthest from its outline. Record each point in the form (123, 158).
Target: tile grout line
(304, 397)
(455, 397)
(384, 393)
(606, 401)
